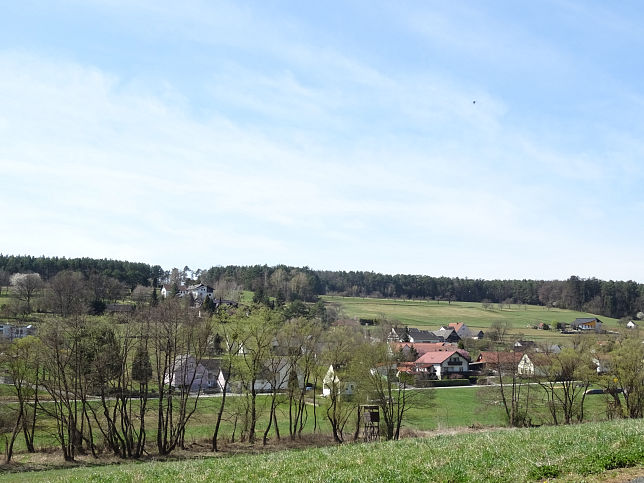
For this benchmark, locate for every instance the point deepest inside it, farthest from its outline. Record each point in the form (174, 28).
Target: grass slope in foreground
(570, 452)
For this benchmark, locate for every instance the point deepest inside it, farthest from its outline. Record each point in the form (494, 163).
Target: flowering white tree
(26, 287)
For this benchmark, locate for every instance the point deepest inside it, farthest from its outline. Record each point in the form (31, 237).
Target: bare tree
(515, 396)
(376, 368)
(5, 278)
(21, 360)
(65, 351)
(299, 339)
(565, 383)
(68, 293)
(179, 343)
(231, 338)
(339, 345)
(142, 294)
(259, 333)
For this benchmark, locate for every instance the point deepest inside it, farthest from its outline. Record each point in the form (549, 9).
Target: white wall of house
(188, 373)
(330, 379)
(11, 332)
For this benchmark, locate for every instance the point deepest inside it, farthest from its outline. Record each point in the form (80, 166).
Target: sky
(495, 139)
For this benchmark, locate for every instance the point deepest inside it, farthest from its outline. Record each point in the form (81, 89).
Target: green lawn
(574, 453)
(455, 407)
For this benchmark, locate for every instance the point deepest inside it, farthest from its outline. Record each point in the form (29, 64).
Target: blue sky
(337, 135)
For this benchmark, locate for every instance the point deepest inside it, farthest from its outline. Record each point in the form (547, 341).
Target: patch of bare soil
(51, 458)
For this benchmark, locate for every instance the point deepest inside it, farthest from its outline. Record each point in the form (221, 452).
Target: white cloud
(319, 159)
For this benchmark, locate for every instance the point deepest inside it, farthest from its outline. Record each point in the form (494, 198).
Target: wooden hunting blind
(370, 422)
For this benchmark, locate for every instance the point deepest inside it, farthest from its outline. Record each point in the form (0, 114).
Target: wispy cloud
(283, 151)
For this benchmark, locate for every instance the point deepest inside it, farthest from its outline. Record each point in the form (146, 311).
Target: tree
(628, 374)
(142, 294)
(65, 357)
(259, 331)
(376, 369)
(25, 287)
(5, 278)
(179, 342)
(565, 383)
(498, 331)
(230, 339)
(299, 339)
(514, 395)
(68, 294)
(21, 360)
(339, 350)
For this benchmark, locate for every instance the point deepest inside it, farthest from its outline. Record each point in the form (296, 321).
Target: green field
(431, 314)
(454, 407)
(571, 453)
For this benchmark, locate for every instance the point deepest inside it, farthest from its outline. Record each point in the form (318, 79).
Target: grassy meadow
(588, 452)
(432, 314)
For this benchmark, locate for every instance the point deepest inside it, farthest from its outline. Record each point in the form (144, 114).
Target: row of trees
(66, 293)
(99, 377)
(129, 273)
(611, 298)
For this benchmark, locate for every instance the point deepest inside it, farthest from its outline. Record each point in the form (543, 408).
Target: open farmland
(591, 452)
(431, 314)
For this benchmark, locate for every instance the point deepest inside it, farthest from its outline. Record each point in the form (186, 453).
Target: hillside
(432, 314)
(571, 452)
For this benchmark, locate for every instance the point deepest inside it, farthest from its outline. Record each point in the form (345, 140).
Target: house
(534, 364)
(186, 373)
(447, 334)
(442, 364)
(200, 291)
(167, 290)
(275, 371)
(631, 325)
(587, 324)
(479, 335)
(11, 332)
(461, 329)
(410, 350)
(525, 345)
(549, 348)
(331, 380)
(497, 361)
(412, 334)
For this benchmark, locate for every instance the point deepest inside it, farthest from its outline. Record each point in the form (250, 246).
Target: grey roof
(445, 333)
(423, 335)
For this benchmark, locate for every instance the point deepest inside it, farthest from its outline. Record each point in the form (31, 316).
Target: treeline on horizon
(618, 299)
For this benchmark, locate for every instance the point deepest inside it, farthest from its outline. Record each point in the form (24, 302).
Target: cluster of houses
(424, 354)
(452, 333)
(433, 354)
(199, 293)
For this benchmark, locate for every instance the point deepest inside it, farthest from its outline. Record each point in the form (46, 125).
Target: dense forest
(129, 273)
(610, 298)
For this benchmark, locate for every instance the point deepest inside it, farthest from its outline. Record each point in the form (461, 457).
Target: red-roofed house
(422, 348)
(442, 363)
